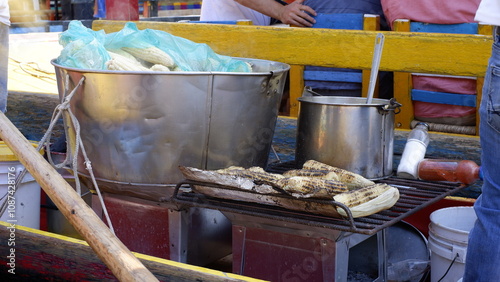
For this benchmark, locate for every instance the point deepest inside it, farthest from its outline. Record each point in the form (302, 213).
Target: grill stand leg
(178, 247)
(344, 243)
(349, 240)
(382, 255)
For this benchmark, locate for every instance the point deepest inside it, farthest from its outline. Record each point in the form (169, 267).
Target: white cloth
(229, 10)
(4, 12)
(489, 12)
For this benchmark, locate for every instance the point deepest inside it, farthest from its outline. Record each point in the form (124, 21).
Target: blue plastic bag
(83, 48)
(187, 55)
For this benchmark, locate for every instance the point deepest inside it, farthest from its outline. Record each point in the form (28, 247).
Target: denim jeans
(4, 62)
(483, 250)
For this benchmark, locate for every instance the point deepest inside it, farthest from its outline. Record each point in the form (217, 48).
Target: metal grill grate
(414, 196)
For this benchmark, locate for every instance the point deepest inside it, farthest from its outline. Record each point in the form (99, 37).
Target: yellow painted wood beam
(402, 86)
(448, 54)
(31, 243)
(296, 88)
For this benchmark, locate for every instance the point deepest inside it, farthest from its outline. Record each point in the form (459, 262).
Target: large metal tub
(137, 128)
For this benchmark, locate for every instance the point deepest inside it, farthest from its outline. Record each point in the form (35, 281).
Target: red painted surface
(123, 10)
(141, 226)
(277, 256)
(43, 211)
(421, 220)
(51, 267)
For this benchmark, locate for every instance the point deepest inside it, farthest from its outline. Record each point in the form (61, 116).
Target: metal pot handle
(393, 106)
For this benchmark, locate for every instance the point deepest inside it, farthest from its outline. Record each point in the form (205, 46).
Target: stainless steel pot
(347, 132)
(139, 127)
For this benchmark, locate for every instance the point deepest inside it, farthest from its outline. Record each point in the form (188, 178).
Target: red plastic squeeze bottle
(462, 171)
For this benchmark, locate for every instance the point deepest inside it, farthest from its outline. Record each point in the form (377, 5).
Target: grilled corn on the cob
(359, 196)
(351, 179)
(254, 174)
(257, 169)
(324, 174)
(306, 187)
(368, 200)
(230, 168)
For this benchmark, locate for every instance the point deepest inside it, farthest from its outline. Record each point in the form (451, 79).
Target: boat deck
(33, 98)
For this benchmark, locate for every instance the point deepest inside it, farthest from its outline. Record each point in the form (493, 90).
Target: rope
(448, 128)
(78, 146)
(35, 69)
(45, 142)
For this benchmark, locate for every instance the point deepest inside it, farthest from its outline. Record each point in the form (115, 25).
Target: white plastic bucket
(23, 207)
(448, 238)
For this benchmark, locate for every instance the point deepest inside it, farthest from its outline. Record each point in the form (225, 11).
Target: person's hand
(297, 14)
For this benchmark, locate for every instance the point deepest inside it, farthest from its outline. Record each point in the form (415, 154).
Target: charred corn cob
(119, 62)
(306, 187)
(152, 55)
(351, 179)
(228, 169)
(359, 196)
(264, 177)
(324, 174)
(257, 169)
(368, 200)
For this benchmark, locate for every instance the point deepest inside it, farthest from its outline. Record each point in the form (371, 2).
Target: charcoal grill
(329, 239)
(280, 244)
(414, 196)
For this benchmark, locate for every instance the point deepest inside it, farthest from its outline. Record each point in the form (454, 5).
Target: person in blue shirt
(295, 13)
(301, 13)
(100, 9)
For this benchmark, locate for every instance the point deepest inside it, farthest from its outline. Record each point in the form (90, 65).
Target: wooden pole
(124, 265)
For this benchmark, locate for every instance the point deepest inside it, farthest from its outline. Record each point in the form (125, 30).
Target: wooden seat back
(403, 89)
